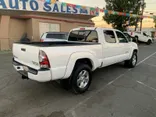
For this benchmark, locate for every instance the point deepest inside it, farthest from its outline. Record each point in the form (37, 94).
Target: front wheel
(149, 42)
(81, 78)
(133, 61)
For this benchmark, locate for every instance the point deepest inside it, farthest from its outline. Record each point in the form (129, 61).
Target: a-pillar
(4, 32)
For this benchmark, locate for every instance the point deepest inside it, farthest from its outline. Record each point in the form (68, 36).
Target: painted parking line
(7, 52)
(149, 64)
(146, 58)
(85, 100)
(146, 85)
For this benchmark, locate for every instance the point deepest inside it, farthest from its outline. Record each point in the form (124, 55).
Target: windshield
(128, 36)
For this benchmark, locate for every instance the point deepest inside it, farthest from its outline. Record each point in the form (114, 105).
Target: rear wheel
(81, 78)
(133, 61)
(149, 42)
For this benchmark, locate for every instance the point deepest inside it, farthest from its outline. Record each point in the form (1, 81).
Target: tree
(154, 21)
(125, 6)
(143, 6)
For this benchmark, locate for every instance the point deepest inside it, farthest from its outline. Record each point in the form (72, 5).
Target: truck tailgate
(26, 55)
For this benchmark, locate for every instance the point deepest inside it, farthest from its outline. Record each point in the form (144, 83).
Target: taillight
(43, 60)
(131, 33)
(82, 28)
(41, 40)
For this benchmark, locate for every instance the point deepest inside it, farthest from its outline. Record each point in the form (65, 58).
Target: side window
(109, 36)
(92, 37)
(121, 37)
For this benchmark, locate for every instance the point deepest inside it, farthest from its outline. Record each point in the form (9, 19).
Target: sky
(150, 8)
(151, 5)
(101, 3)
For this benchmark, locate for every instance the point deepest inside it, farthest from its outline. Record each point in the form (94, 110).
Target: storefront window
(48, 27)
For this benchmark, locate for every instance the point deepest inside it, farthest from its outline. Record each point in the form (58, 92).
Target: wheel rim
(134, 60)
(83, 79)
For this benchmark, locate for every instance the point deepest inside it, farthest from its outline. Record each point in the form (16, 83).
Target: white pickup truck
(73, 61)
(141, 36)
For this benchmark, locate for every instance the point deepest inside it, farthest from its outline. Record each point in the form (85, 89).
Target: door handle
(23, 49)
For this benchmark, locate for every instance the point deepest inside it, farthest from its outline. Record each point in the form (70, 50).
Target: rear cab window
(90, 36)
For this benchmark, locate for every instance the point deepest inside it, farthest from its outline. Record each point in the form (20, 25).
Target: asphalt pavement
(115, 92)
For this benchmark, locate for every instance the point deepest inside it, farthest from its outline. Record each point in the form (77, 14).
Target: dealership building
(34, 17)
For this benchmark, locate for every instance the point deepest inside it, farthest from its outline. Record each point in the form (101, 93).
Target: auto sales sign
(43, 6)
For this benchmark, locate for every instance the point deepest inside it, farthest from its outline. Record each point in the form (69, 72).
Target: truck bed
(54, 44)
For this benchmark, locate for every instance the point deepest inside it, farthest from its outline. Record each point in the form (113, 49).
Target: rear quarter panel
(62, 59)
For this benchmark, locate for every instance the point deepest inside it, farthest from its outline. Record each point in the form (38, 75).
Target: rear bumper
(41, 75)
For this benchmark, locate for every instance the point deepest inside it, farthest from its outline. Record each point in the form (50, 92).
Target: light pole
(142, 12)
(129, 21)
(138, 13)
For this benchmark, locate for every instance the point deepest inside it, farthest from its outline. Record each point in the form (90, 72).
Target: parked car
(73, 61)
(24, 38)
(130, 38)
(54, 36)
(141, 36)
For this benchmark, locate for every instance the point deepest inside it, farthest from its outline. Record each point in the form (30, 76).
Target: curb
(6, 52)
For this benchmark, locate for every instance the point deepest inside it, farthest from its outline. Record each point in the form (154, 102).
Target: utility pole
(137, 19)
(142, 13)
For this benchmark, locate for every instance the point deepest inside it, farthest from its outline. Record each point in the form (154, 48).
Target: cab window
(109, 36)
(121, 37)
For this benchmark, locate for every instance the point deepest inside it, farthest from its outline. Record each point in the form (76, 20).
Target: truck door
(111, 49)
(124, 45)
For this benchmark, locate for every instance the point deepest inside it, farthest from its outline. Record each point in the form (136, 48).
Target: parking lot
(115, 92)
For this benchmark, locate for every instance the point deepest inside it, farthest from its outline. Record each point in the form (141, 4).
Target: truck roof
(57, 32)
(93, 28)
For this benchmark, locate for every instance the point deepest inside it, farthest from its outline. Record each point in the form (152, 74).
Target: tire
(133, 61)
(81, 78)
(149, 42)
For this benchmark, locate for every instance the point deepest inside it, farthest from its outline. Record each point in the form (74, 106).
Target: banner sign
(124, 14)
(47, 6)
(52, 6)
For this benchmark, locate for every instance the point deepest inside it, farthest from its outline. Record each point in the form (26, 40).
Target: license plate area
(24, 73)
(26, 69)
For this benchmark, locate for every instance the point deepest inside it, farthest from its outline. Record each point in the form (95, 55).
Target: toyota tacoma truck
(73, 61)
